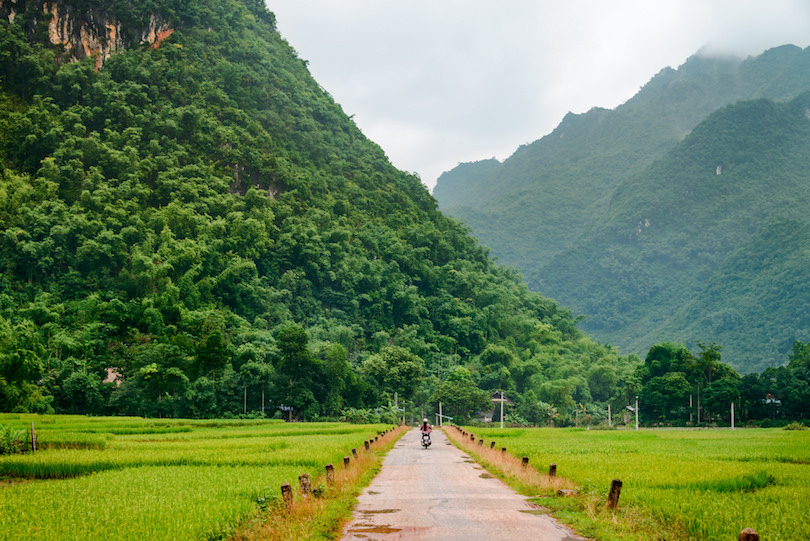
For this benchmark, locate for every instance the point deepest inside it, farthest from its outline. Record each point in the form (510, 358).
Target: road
(440, 493)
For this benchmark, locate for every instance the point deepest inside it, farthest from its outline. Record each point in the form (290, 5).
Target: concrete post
(287, 495)
(615, 492)
(305, 484)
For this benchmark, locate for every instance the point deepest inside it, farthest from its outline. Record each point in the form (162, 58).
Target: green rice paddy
(709, 484)
(129, 478)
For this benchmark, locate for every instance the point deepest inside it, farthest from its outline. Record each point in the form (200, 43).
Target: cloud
(437, 83)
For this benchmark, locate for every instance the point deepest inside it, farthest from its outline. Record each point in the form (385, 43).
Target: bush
(795, 426)
(11, 440)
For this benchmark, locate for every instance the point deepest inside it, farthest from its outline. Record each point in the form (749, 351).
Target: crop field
(132, 478)
(709, 484)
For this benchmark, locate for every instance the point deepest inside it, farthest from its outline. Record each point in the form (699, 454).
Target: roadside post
(501, 400)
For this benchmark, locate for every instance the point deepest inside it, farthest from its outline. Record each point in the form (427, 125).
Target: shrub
(11, 440)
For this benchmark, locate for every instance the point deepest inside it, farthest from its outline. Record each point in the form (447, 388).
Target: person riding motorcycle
(425, 429)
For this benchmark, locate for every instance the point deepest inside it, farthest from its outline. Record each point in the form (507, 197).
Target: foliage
(11, 440)
(460, 397)
(198, 230)
(670, 216)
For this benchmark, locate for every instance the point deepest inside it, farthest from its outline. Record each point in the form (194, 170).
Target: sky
(439, 82)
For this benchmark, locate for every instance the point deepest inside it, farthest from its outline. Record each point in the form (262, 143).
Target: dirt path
(441, 493)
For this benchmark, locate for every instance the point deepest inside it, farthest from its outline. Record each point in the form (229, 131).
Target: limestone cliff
(92, 32)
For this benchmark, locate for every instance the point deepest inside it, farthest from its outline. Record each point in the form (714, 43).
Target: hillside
(545, 196)
(710, 243)
(191, 226)
(552, 198)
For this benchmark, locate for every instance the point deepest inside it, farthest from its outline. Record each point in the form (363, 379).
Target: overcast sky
(438, 82)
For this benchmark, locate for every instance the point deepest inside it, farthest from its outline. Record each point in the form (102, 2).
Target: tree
(719, 395)
(394, 370)
(799, 357)
(601, 381)
(82, 394)
(530, 408)
(296, 370)
(668, 357)
(21, 354)
(708, 362)
(336, 371)
(459, 396)
(666, 397)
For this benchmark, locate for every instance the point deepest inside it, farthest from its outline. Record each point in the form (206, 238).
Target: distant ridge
(548, 197)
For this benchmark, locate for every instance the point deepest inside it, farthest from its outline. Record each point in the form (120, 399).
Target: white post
(636, 412)
(440, 414)
(610, 420)
(732, 416)
(501, 409)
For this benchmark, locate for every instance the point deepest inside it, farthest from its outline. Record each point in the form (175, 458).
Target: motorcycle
(425, 439)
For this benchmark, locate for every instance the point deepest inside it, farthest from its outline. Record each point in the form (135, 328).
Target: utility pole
(732, 416)
(610, 420)
(501, 409)
(440, 414)
(636, 412)
(690, 408)
(501, 400)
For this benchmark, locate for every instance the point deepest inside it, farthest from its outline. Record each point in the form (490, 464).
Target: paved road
(441, 494)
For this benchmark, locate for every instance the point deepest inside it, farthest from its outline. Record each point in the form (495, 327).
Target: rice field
(131, 478)
(709, 484)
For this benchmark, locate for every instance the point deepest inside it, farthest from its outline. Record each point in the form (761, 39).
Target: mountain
(539, 203)
(190, 225)
(544, 196)
(710, 243)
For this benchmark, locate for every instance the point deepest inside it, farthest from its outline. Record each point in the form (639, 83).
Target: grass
(322, 517)
(125, 478)
(677, 484)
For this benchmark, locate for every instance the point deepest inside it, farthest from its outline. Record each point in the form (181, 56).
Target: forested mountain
(544, 196)
(536, 205)
(711, 243)
(191, 226)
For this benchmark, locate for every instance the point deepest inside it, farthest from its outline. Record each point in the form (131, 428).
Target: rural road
(440, 493)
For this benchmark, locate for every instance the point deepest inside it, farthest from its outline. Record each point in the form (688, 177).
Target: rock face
(89, 32)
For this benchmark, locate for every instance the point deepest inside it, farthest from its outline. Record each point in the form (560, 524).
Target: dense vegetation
(709, 243)
(556, 194)
(198, 230)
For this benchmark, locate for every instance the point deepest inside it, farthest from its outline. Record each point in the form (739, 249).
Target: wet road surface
(440, 493)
